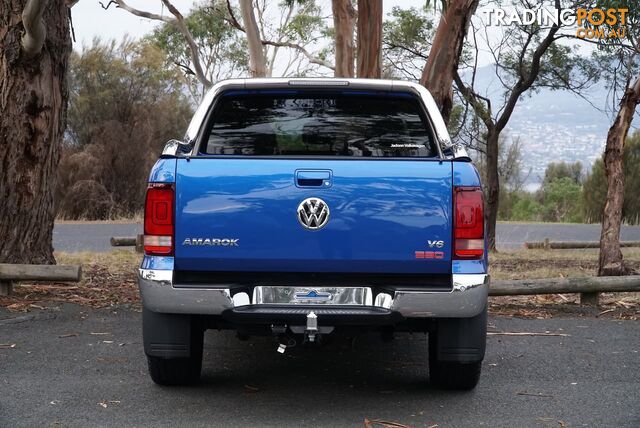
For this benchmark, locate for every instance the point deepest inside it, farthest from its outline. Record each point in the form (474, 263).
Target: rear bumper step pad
(345, 315)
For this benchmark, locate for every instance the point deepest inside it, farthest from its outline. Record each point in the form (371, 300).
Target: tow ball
(311, 331)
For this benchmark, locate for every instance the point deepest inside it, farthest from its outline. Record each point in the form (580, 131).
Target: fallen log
(566, 245)
(128, 241)
(594, 284)
(123, 241)
(10, 273)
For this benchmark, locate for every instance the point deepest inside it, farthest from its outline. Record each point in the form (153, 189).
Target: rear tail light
(159, 219)
(469, 223)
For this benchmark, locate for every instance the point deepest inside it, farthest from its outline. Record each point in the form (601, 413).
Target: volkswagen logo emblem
(313, 213)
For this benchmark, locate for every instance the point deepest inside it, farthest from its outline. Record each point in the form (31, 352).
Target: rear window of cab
(316, 124)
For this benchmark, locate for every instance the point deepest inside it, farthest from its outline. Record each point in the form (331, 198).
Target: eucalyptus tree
(222, 50)
(33, 100)
(268, 29)
(344, 21)
(527, 57)
(621, 56)
(369, 54)
(444, 56)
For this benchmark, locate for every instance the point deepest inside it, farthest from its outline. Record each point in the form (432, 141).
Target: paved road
(590, 378)
(95, 236)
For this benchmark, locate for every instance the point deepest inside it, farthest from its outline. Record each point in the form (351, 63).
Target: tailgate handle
(313, 178)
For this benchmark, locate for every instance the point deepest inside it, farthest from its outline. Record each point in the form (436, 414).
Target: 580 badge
(431, 254)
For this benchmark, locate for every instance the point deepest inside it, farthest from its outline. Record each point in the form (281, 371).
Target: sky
(91, 20)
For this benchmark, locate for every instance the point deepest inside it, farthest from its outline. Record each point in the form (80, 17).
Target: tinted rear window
(319, 125)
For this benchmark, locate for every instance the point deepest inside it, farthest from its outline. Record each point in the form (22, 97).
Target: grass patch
(116, 261)
(529, 264)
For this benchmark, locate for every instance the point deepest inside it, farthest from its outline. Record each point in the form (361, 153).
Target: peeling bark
(369, 38)
(344, 21)
(34, 29)
(33, 101)
(611, 263)
(442, 63)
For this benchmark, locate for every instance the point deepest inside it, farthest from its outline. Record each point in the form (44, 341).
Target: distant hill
(553, 125)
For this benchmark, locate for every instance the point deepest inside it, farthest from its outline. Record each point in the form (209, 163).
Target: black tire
(178, 371)
(454, 376)
(463, 342)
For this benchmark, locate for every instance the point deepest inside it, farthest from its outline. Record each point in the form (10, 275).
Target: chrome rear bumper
(467, 299)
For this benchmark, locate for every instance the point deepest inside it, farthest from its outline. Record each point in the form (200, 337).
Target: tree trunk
(33, 102)
(492, 187)
(257, 61)
(369, 38)
(344, 20)
(437, 75)
(611, 262)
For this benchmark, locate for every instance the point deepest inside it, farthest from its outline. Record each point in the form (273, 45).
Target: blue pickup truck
(301, 208)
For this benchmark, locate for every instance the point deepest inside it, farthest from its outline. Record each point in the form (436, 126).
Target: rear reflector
(469, 223)
(158, 219)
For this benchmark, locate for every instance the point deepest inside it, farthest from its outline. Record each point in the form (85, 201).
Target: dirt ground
(109, 279)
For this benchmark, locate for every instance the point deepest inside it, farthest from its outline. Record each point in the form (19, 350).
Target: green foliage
(526, 208)
(562, 66)
(562, 199)
(406, 40)
(594, 193)
(124, 104)
(595, 185)
(566, 196)
(300, 22)
(556, 170)
(305, 23)
(558, 200)
(222, 49)
(112, 82)
(456, 118)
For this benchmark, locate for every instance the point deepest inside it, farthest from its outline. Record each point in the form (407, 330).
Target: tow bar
(311, 331)
(312, 327)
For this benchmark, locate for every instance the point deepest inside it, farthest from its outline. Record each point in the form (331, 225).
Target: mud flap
(461, 340)
(166, 335)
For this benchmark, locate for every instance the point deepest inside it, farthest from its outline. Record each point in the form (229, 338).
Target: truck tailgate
(241, 214)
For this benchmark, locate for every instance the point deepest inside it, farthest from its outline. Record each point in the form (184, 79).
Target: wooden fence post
(585, 285)
(6, 287)
(589, 299)
(13, 273)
